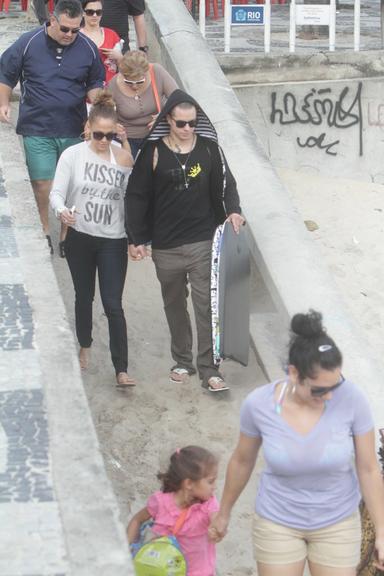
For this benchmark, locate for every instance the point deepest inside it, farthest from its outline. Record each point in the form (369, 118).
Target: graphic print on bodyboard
(230, 295)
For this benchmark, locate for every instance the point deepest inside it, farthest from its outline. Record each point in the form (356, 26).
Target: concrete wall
(283, 252)
(259, 68)
(335, 128)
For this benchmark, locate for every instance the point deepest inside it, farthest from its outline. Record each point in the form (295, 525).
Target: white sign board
(312, 14)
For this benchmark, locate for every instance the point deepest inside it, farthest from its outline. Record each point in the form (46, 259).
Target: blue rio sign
(247, 15)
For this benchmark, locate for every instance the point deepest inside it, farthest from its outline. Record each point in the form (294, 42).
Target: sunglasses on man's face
(90, 12)
(67, 30)
(134, 82)
(101, 135)
(183, 123)
(319, 391)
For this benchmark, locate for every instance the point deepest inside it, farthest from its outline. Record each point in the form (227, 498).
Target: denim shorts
(42, 154)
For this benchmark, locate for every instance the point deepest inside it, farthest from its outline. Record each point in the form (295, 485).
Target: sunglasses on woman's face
(101, 135)
(319, 391)
(183, 123)
(90, 12)
(134, 82)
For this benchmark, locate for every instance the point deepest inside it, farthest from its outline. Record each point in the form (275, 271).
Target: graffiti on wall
(322, 108)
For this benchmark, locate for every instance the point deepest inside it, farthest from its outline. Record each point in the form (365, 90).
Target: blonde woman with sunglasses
(88, 197)
(139, 90)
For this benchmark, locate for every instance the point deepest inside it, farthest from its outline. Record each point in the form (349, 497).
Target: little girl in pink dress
(189, 483)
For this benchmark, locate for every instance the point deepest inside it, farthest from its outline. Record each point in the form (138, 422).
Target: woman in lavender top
(313, 426)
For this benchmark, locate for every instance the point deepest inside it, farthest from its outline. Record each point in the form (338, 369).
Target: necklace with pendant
(182, 166)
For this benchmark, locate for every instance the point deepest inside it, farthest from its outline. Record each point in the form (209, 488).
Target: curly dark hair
(192, 462)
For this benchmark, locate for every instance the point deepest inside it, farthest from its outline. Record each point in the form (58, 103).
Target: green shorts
(42, 154)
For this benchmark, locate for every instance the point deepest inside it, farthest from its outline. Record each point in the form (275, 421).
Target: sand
(138, 429)
(350, 235)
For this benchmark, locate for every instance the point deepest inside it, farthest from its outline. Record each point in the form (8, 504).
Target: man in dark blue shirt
(57, 67)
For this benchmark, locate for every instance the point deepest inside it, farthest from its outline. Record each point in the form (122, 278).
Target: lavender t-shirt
(309, 481)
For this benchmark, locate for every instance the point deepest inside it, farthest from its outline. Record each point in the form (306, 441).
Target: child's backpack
(162, 556)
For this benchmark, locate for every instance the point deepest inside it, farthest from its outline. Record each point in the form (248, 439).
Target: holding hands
(218, 527)
(137, 253)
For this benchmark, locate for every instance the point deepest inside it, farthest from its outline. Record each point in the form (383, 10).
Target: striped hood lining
(161, 127)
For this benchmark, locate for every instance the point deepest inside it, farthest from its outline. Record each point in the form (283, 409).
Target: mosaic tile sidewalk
(30, 524)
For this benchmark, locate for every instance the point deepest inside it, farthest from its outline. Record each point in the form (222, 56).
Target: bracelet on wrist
(144, 48)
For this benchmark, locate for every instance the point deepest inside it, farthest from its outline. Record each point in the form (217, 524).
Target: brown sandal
(124, 381)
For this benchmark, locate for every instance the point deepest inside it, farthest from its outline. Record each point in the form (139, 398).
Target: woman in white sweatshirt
(88, 196)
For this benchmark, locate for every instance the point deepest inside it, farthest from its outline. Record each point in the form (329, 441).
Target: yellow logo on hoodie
(194, 170)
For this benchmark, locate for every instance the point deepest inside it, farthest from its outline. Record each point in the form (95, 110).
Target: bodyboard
(230, 295)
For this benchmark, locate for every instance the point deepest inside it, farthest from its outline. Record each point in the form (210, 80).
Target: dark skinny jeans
(86, 254)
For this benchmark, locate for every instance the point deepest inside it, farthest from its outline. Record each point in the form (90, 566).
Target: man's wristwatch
(144, 48)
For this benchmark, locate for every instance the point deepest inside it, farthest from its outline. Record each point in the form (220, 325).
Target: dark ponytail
(310, 346)
(191, 462)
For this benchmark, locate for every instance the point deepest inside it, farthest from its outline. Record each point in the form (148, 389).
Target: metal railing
(198, 11)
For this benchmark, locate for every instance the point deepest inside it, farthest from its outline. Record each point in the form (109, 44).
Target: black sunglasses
(319, 391)
(90, 12)
(67, 30)
(101, 135)
(183, 123)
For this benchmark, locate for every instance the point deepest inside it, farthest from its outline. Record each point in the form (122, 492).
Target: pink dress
(199, 551)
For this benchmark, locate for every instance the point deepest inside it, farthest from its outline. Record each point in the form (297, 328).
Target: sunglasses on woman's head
(183, 123)
(134, 82)
(101, 135)
(90, 12)
(318, 391)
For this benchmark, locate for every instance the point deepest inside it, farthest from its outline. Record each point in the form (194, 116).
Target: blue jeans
(86, 254)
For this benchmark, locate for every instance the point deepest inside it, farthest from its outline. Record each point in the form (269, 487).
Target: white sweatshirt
(95, 187)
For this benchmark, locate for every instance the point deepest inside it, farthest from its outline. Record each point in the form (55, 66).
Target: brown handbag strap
(180, 521)
(154, 87)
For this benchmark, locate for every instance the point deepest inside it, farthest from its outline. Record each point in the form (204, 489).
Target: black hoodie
(156, 211)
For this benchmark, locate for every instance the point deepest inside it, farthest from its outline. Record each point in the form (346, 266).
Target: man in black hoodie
(180, 189)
